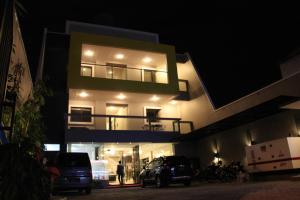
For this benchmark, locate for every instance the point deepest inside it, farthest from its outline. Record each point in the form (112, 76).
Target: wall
(75, 81)
(290, 67)
(134, 109)
(231, 143)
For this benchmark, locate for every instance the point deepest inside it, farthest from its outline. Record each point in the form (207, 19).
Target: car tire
(143, 183)
(187, 183)
(88, 190)
(158, 182)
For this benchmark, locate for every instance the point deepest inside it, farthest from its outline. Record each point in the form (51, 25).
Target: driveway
(287, 190)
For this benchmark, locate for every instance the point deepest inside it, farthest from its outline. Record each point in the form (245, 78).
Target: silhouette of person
(120, 173)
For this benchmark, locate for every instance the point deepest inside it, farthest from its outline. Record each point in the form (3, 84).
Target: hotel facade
(121, 95)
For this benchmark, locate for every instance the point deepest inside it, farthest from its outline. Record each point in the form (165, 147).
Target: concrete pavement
(280, 190)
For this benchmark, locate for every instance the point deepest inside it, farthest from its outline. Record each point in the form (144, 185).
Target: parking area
(287, 190)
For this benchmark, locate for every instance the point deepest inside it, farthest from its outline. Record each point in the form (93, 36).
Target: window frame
(83, 123)
(88, 65)
(153, 108)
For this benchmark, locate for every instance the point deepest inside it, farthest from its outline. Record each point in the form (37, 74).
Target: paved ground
(281, 190)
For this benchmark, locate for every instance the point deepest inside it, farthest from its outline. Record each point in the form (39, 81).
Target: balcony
(123, 72)
(128, 123)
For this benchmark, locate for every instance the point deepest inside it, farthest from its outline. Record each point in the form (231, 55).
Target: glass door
(117, 123)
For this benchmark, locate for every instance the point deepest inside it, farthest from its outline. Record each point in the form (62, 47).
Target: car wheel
(88, 190)
(158, 182)
(143, 183)
(187, 183)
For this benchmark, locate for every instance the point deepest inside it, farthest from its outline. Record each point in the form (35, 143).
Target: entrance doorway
(117, 123)
(106, 156)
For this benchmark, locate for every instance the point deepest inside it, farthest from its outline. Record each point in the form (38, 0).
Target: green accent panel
(75, 81)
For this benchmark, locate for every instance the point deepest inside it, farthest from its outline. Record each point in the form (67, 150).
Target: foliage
(28, 125)
(21, 176)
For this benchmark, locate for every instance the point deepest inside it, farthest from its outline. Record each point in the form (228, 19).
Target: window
(152, 113)
(86, 71)
(81, 115)
(52, 147)
(149, 76)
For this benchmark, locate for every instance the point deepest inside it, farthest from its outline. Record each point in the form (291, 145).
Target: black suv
(75, 172)
(165, 170)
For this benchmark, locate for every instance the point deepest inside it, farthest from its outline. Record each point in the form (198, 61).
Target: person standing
(120, 173)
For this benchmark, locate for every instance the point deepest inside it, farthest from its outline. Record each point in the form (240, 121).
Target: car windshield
(73, 160)
(177, 160)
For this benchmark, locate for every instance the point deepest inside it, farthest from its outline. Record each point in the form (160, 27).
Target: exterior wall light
(154, 98)
(173, 102)
(83, 94)
(147, 60)
(119, 56)
(121, 96)
(89, 53)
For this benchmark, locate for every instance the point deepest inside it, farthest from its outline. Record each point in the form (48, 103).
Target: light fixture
(121, 96)
(89, 53)
(110, 72)
(119, 56)
(112, 108)
(83, 69)
(154, 98)
(83, 94)
(173, 102)
(147, 60)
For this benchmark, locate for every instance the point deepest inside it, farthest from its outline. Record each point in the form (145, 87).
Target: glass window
(149, 76)
(86, 70)
(81, 114)
(124, 64)
(52, 147)
(152, 114)
(183, 86)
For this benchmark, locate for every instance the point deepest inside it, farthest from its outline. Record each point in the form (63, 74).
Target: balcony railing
(133, 123)
(123, 72)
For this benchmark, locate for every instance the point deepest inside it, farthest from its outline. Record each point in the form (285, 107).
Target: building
(265, 115)
(15, 78)
(119, 95)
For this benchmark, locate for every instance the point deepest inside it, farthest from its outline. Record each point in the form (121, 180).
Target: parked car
(75, 172)
(165, 170)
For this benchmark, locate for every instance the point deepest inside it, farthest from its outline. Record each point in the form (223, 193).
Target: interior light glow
(173, 102)
(147, 60)
(89, 53)
(83, 94)
(121, 96)
(154, 98)
(119, 56)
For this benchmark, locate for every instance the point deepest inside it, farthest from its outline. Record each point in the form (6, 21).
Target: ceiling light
(83, 94)
(89, 53)
(121, 96)
(147, 59)
(111, 107)
(173, 102)
(154, 98)
(119, 56)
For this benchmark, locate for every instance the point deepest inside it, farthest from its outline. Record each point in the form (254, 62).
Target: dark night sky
(236, 47)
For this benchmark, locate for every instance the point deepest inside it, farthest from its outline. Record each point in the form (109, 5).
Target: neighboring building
(15, 82)
(264, 115)
(120, 95)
